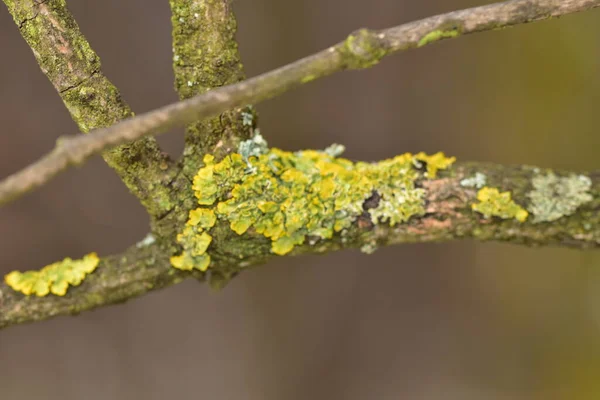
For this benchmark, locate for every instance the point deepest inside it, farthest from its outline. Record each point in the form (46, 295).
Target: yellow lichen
(54, 278)
(493, 203)
(288, 197)
(195, 240)
(434, 162)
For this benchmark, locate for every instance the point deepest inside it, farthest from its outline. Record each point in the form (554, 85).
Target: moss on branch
(205, 56)
(73, 68)
(361, 49)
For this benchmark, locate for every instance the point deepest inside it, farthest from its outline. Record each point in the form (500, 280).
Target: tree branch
(361, 49)
(73, 68)
(448, 216)
(205, 56)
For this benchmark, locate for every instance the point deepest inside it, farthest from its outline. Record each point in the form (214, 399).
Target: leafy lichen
(433, 162)
(54, 278)
(254, 146)
(494, 203)
(553, 197)
(289, 197)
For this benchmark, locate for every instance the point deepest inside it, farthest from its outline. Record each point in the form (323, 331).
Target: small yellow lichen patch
(494, 203)
(54, 278)
(435, 162)
(288, 197)
(195, 240)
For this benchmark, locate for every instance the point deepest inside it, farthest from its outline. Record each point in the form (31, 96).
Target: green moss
(205, 56)
(553, 197)
(54, 278)
(73, 68)
(493, 203)
(291, 197)
(309, 78)
(448, 30)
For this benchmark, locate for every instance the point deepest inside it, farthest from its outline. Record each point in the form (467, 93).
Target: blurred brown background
(458, 320)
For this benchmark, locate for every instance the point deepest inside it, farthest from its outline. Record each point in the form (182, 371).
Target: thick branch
(205, 56)
(449, 216)
(71, 65)
(360, 50)
(117, 278)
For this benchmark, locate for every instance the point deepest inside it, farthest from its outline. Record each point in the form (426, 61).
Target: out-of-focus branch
(205, 56)
(449, 215)
(361, 49)
(66, 58)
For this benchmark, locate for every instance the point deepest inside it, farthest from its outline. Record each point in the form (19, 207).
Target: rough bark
(205, 57)
(566, 216)
(361, 49)
(449, 216)
(73, 68)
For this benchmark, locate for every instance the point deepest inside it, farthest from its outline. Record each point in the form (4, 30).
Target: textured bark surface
(449, 216)
(205, 56)
(73, 68)
(361, 49)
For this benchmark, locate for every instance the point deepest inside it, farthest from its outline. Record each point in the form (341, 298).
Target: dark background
(459, 320)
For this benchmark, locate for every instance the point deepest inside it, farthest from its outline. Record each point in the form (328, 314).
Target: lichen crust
(54, 278)
(555, 196)
(493, 203)
(291, 196)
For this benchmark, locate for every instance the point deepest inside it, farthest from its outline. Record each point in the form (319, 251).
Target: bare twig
(73, 68)
(361, 49)
(449, 216)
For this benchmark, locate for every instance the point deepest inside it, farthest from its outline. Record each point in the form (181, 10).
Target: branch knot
(362, 49)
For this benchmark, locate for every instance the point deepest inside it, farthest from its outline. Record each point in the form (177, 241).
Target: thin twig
(361, 49)
(73, 68)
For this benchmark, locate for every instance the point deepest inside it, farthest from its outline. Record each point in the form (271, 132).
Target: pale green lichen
(289, 197)
(477, 181)
(253, 147)
(54, 278)
(554, 197)
(493, 203)
(248, 118)
(146, 241)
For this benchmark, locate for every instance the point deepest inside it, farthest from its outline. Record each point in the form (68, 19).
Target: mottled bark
(360, 50)
(205, 57)
(556, 207)
(449, 216)
(73, 68)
